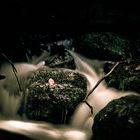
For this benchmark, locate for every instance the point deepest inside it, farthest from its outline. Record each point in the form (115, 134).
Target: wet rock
(60, 58)
(106, 46)
(53, 94)
(7, 135)
(119, 120)
(2, 77)
(125, 76)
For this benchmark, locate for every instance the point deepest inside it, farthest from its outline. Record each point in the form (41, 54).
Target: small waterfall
(86, 69)
(9, 104)
(101, 96)
(10, 94)
(82, 119)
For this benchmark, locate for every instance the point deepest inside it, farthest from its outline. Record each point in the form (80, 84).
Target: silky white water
(43, 130)
(11, 90)
(82, 120)
(100, 97)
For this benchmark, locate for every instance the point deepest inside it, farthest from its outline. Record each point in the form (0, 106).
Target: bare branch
(14, 69)
(103, 79)
(85, 100)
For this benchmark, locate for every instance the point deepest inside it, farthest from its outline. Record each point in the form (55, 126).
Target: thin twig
(85, 100)
(102, 79)
(14, 69)
(91, 108)
(12, 64)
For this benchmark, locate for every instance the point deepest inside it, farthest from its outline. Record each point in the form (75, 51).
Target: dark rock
(7, 135)
(54, 94)
(119, 120)
(105, 46)
(60, 58)
(125, 77)
(2, 77)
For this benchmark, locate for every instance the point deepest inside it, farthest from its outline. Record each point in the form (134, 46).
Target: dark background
(20, 17)
(53, 16)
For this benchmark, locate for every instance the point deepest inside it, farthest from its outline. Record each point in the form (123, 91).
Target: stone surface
(54, 94)
(102, 45)
(119, 120)
(60, 58)
(125, 77)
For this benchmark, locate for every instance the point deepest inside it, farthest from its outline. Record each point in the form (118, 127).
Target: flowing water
(82, 119)
(43, 131)
(11, 89)
(100, 97)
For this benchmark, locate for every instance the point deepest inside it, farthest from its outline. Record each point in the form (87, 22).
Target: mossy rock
(60, 58)
(119, 120)
(125, 77)
(54, 103)
(103, 45)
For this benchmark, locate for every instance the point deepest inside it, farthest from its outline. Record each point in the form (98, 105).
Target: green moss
(125, 77)
(104, 45)
(49, 103)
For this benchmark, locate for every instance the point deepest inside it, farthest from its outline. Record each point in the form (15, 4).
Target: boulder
(119, 120)
(53, 94)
